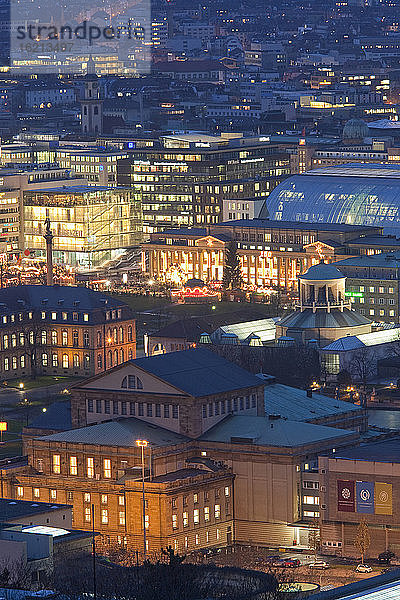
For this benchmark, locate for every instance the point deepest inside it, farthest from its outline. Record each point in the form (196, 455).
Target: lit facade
(185, 179)
(272, 254)
(55, 330)
(91, 224)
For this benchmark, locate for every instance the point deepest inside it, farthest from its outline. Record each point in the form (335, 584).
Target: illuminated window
(185, 519)
(44, 359)
(54, 337)
(121, 516)
(36, 492)
(56, 463)
(86, 497)
(20, 491)
(104, 498)
(54, 360)
(104, 516)
(310, 499)
(196, 518)
(107, 468)
(146, 521)
(87, 514)
(217, 511)
(206, 513)
(90, 467)
(174, 521)
(64, 336)
(73, 465)
(53, 494)
(121, 500)
(65, 361)
(227, 491)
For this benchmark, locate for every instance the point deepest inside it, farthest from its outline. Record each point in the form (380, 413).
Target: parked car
(319, 564)
(363, 569)
(386, 557)
(291, 563)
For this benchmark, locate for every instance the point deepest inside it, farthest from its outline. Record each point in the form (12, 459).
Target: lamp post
(142, 444)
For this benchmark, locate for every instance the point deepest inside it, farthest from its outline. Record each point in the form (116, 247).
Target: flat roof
(13, 509)
(276, 224)
(76, 189)
(359, 170)
(387, 451)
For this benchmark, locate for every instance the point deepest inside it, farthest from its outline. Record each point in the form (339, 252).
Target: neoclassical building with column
(272, 253)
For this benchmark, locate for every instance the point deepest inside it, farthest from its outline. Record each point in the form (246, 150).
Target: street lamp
(142, 444)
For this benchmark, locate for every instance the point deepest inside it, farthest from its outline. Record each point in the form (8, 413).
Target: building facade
(53, 330)
(272, 253)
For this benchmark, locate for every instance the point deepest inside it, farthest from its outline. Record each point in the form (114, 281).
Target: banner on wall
(365, 497)
(346, 495)
(383, 498)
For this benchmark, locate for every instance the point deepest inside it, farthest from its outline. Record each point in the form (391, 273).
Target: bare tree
(363, 538)
(362, 365)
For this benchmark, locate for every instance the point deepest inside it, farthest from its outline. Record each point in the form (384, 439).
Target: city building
(91, 224)
(356, 194)
(323, 313)
(58, 330)
(358, 483)
(372, 282)
(184, 179)
(272, 253)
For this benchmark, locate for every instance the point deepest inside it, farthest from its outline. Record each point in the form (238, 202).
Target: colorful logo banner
(383, 498)
(365, 497)
(346, 496)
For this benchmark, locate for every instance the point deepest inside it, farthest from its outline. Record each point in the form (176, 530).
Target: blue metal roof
(265, 432)
(364, 194)
(278, 223)
(56, 417)
(382, 451)
(120, 432)
(198, 372)
(293, 403)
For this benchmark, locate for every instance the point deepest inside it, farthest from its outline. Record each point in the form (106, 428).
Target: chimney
(309, 393)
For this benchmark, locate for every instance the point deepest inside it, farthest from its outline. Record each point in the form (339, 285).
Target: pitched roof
(352, 342)
(265, 432)
(119, 432)
(198, 372)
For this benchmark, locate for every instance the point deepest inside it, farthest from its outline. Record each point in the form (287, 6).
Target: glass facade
(372, 198)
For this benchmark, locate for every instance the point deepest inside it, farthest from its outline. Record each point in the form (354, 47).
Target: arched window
(76, 360)
(86, 361)
(99, 361)
(65, 361)
(130, 333)
(22, 361)
(64, 338)
(21, 338)
(6, 364)
(31, 338)
(116, 357)
(44, 338)
(99, 338)
(54, 337)
(121, 335)
(75, 341)
(13, 340)
(130, 354)
(110, 364)
(5, 342)
(115, 338)
(132, 382)
(121, 353)
(14, 362)
(44, 359)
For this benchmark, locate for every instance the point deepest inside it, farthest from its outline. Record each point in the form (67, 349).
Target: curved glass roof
(359, 194)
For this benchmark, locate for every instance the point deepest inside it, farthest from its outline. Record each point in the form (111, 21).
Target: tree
(232, 279)
(314, 537)
(363, 538)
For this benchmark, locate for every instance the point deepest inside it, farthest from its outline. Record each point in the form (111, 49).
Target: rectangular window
(86, 497)
(174, 521)
(195, 498)
(56, 463)
(174, 411)
(123, 408)
(206, 513)
(158, 410)
(140, 409)
(90, 467)
(20, 491)
(146, 521)
(149, 410)
(87, 514)
(104, 498)
(121, 500)
(107, 407)
(98, 406)
(227, 491)
(104, 516)
(73, 465)
(115, 407)
(132, 408)
(36, 492)
(217, 511)
(107, 468)
(90, 404)
(185, 519)
(196, 517)
(53, 494)
(121, 517)
(166, 411)
(310, 499)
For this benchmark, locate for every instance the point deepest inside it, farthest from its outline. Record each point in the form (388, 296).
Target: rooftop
(385, 259)
(322, 319)
(13, 509)
(293, 403)
(353, 342)
(322, 271)
(383, 451)
(282, 224)
(198, 372)
(57, 417)
(265, 432)
(119, 432)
